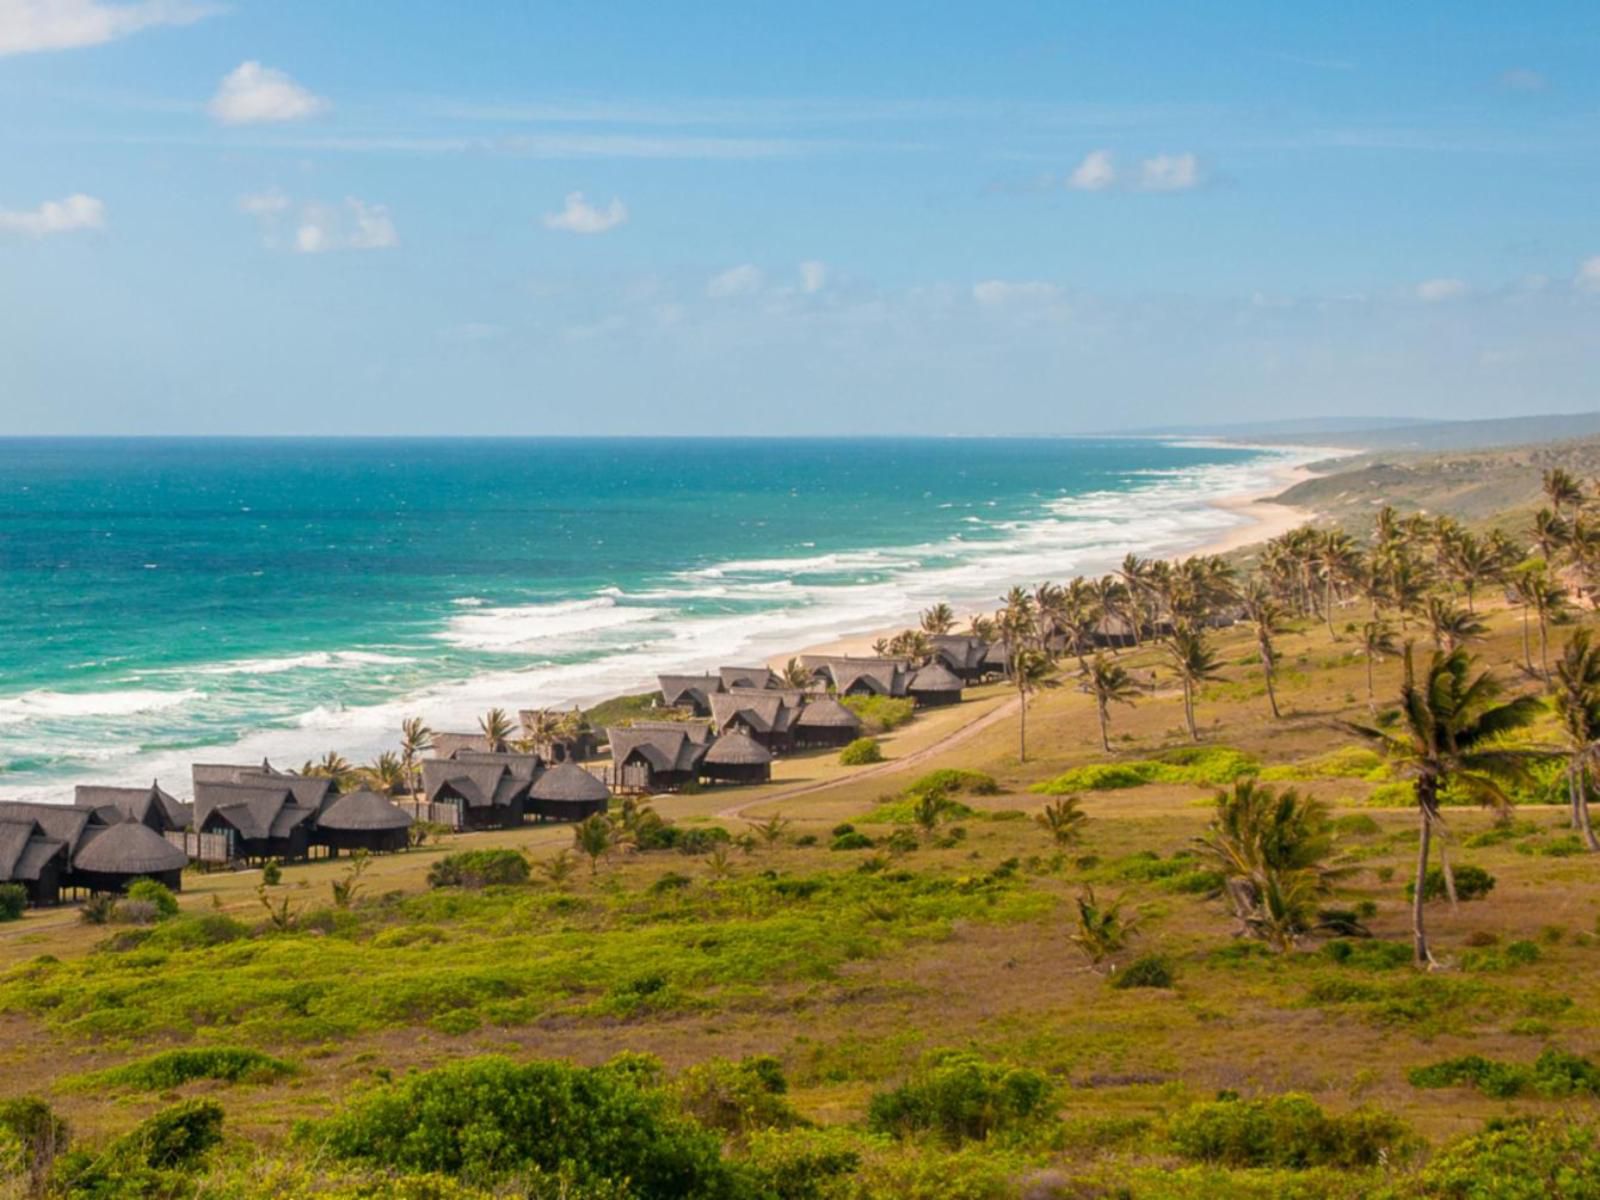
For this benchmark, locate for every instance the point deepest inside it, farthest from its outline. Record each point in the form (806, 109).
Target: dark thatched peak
(127, 848)
(569, 782)
(935, 677)
(827, 713)
(363, 811)
(737, 749)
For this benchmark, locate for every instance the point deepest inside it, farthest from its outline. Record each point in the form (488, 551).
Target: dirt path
(971, 729)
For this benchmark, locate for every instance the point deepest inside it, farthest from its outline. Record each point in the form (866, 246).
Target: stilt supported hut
(567, 792)
(693, 692)
(963, 654)
(261, 820)
(32, 858)
(736, 758)
(859, 676)
(656, 756)
(824, 722)
(934, 685)
(110, 857)
(766, 715)
(362, 821)
(478, 795)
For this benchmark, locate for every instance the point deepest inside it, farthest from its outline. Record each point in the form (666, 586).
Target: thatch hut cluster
(51, 849)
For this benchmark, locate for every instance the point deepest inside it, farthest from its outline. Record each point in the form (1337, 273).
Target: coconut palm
(497, 728)
(1471, 563)
(939, 619)
(333, 766)
(416, 739)
(1334, 556)
(1377, 642)
(1135, 573)
(1451, 625)
(595, 837)
(1562, 490)
(795, 675)
(1195, 662)
(385, 775)
(1109, 684)
(1577, 702)
(1266, 621)
(1030, 670)
(1063, 820)
(1550, 533)
(1452, 722)
(1101, 929)
(981, 627)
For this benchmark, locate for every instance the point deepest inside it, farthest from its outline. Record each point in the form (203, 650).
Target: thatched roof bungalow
(825, 722)
(89, 848)
(31, 857)
(860, 676)
(567, 792)
(261, 818)
(362, 820)
(765, 715)
(486, 795)
(748, 677)
(152, 807)
(693, 692)
(933, 685)
(656, 756)
(963, 654)
(110, 857)
(736, 757)
(448, 745)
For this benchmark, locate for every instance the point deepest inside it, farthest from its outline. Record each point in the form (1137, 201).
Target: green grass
(173, 1068)
(1201, 767)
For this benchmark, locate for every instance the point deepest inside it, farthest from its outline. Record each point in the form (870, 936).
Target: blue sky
(375, 216)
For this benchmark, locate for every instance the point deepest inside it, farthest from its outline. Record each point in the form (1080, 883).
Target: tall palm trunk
(1544, 646)
(1527, 649)
(1578, 791)
(1022, 725)
(1188, 708)
(1372, 694)
(1327, 609)
(1267, 668)
(1427, 797)
(1105, 724)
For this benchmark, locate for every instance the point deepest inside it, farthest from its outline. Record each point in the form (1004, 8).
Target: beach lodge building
(767, 716)
(55, 848)
(656, 756)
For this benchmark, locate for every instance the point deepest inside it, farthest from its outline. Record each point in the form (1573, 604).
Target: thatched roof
(363, 811)
(309, 791)
(481, 785)
(736, 748)
(697, 732)
(149, 805)
(521, 766)
(228, 772)
(128, 848)
(961, 651)
(65, 824)
(697, 688)
(24, 850)
(747, 677)
(264, 809)
(827, 713)
(764, 712)
(14, 837)
(882, 676)
(666, 746)
(568, 782)
(448, 745)
(935, 677)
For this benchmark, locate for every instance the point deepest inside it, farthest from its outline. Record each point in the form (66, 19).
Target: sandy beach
(1262, 520)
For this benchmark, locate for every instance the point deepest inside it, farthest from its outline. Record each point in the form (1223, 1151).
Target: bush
(862, 752)
(13, 901)
(1555, 1073)
(39, 1135)
(880, 714)
(174, 1068)
(1285, 1131)
(737, 1098)
(1521, 1160)
(149, 1161)
(1147, 971)
(479, 868)
(272, 872)
(156, 894)
(959, 1096)
(1472, 883)
(196, 931)
(851, 840)
(486, 1119)
(953, 781)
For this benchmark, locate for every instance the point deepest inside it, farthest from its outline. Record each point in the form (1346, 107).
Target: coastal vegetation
(1284, 890)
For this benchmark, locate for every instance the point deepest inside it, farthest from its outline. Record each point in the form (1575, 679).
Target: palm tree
(333, 766)
(1063, 820)
(1536, 589)
(1451, 625)
(1030, 669)
(939, 619)
(1195, 663)
(539, 730)
(795, 675)
(416, 739)
(1578, 706)
(1377, 641)
(497, 728)
(1334, 555)
(1266, 620)
(595, 837)
(386, 775)
(1451, 725)
(982, 627)
(1135, 574)
(1550, 533)
(1109, 684)
(1562, 490)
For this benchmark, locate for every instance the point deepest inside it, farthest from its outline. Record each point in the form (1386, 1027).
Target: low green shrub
(156, 894)
(1347, 762)
(13, 901)
(959, 1096)
(1288, 1131)
(488, 1119)
(1472, 883)
(880, 714)
(479, 868)
(1368, 954)
(174, 1068)
(1147, 971)
(36, 1135)
(954, 781)
(1555, 1073)
(852, 839)
(153, 1161)
(862, 752)
(1515, 1160)
(1356, 825)
(737, 1098)
(192, 931)
(1200, 766)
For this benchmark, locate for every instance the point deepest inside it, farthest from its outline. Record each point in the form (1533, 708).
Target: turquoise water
(288, 597)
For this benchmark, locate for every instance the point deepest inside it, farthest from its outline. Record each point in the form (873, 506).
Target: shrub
(193, 932)
(862, 752)
(39, 1134)
(1146, 971)
(174, 1068)
(479, 868)
(737, 1098)
(1555, 1073)
(13, 900)
(958, 1096)
(149, 1161)
(851, 840)
(156, 894)
(272, 872)
(1285, 1131)
(1356, 825)
(1472, 883)
(672, 881)
(485, 1119)
(97, 909)
(880, 714)
(953, 781)
(1520, 1160)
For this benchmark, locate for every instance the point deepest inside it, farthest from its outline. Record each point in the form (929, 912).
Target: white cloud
(251, 94)
(264, 204)
(28, 26)
(356, 225)
(1588, 279)
(1433, 291)
(1523, 79)
(996, 293)
(813, 276)
(55, 216)
(581, 217)
(1169, 173)
(735, 281)
(1095, 173)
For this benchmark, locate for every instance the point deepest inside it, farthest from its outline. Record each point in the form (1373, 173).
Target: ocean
(169, 600)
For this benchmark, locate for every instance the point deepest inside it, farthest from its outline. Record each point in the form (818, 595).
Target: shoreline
(1262, 521)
